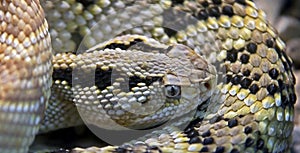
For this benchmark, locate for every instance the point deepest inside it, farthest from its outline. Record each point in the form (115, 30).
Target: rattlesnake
(243, 94)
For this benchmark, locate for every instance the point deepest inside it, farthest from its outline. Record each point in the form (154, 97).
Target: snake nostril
(207, 85)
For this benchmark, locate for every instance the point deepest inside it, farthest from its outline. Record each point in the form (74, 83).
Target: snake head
(139, 83)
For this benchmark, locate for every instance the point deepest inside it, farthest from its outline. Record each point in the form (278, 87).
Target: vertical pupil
(173, 91)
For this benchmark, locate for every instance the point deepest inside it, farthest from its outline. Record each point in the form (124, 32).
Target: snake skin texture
(25, 77)
(219, 57)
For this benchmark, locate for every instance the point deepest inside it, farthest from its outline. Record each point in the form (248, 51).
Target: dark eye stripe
(102, 78)
(62, 74)
(133, 81)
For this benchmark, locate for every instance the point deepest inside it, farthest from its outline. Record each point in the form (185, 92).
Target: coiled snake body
(241, 87)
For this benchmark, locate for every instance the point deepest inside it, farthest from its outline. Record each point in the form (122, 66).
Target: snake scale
(218, 58)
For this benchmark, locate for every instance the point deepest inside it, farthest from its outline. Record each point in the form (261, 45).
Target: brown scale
(25, 67)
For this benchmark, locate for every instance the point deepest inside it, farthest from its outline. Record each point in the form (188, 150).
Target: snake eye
(173, 91)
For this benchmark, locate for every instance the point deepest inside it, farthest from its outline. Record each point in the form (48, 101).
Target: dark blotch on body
(228, 10)
(208, 140)
(214, 11)
(248, 129)
(234, 151)
(220, 149)
(252, 47)
(249, 142)
(232, 123)
(254, 88)
(202, 15)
